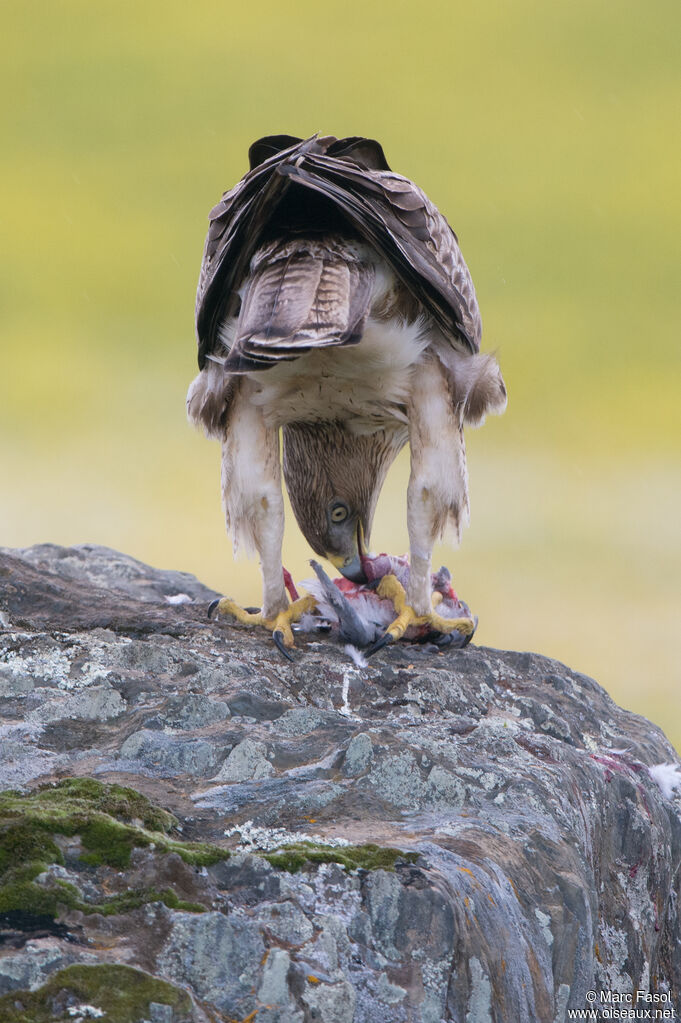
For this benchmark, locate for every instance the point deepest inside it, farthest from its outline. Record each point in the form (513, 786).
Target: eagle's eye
(339, 512)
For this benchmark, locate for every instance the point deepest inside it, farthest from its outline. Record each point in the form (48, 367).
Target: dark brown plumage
(296, 184)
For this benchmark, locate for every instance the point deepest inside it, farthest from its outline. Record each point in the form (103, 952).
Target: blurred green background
(547, 133)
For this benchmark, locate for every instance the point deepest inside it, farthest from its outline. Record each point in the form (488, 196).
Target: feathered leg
(437, 498)
(254, 513)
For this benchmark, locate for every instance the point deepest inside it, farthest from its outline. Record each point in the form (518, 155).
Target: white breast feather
(366, 384)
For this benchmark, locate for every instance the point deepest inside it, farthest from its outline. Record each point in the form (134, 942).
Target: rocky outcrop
(205, 831)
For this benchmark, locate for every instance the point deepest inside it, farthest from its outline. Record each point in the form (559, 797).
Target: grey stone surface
(218, 956)
(97, 703)
(358, 755)
(109, 569)
(159, 1013)
(301, 720)
(30, 967)
(195, 711)
(286, 922)
(168, 755)
(274, 993)
(20, 762)
(246, 762)
(548, 836)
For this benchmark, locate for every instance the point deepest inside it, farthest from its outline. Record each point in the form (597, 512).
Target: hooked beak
(351, 566)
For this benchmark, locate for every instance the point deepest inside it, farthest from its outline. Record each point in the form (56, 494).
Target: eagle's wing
(398, 219)
(300, 294)
(387, 210)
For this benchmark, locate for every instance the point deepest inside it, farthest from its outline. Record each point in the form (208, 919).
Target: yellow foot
(391, 589)
(280, 626)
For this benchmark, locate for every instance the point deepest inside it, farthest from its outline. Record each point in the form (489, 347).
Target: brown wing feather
(401, 222)
(300, 295)
(352, 177)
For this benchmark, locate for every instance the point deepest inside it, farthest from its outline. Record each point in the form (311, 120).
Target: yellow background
(548, 134)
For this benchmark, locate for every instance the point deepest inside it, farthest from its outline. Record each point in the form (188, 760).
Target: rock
(159, 1013)
(195, 711)
(301, 721)
(98, 703)
(286, 922)
(246, 761)
(358, 755)
(218, 956)
(33, 965)
(274, 991)
(474, 835)
(169, 755)
(105, 568)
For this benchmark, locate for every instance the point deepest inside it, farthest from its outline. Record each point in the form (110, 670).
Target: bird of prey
(334, 307)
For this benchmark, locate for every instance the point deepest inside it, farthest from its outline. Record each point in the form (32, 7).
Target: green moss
(108, 841)
(22, 842)
(297, 856)
(137, 897)
(109, 819)
(78, 798)
(122, 993)
(23, 895)
(114, 800)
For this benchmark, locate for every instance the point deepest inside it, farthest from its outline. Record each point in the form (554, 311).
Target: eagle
(336, 322)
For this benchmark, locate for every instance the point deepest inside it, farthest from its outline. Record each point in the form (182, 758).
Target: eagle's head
(343, 537)
(333, 478)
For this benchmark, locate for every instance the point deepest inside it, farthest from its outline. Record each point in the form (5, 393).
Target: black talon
(385, 639)
(458, 639)
(278, 637)
(213, 604)
(470, 636)
(440, 639)
(252, 610)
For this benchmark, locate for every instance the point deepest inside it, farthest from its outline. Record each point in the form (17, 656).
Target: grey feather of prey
(352, 627)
